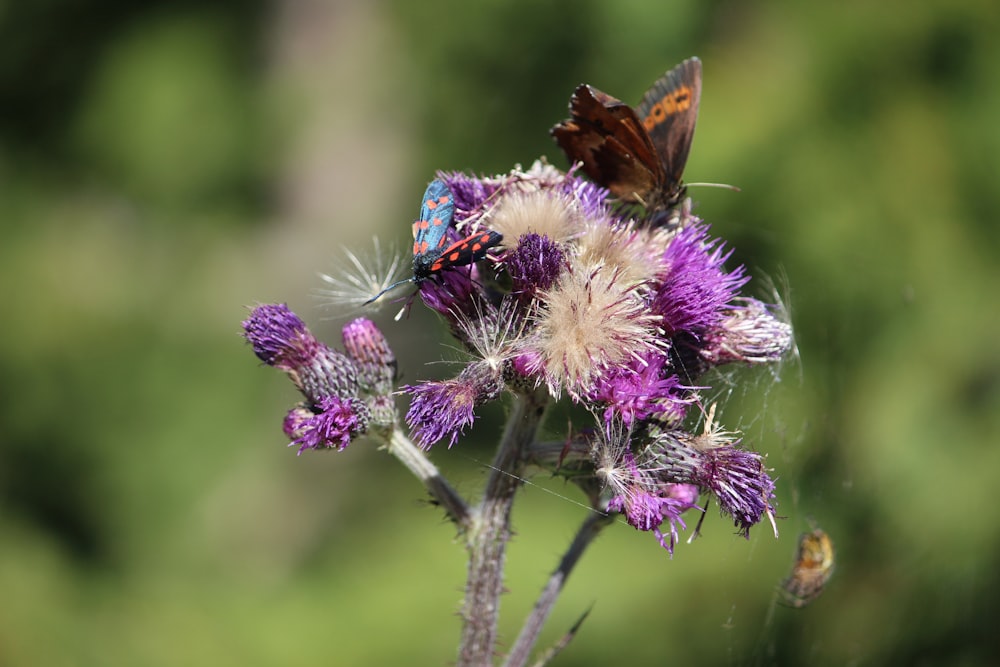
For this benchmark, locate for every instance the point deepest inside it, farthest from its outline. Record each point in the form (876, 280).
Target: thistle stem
(588, 531)
(417, 462)
(490, 532)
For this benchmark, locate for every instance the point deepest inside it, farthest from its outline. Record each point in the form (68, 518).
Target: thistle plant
(581, 302)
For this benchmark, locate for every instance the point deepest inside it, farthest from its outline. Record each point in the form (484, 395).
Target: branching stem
(487, 540)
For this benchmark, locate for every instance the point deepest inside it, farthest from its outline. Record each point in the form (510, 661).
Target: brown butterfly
(638, 154)
(813, 568)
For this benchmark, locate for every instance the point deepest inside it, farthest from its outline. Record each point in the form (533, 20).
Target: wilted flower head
(548, 213)
(751, 333)
(592, 320)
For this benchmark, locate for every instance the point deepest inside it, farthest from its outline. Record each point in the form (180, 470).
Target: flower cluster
(346, 395)
(624, 318)
(619, 315)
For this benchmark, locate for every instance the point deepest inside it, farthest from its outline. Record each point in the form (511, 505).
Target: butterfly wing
(669, 111)
(606, 135)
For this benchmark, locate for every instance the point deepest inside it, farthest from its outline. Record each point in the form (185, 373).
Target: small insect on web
(430, 253)
(812, 570)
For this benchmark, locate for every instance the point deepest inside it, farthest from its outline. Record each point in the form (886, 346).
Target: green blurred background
(165, 164)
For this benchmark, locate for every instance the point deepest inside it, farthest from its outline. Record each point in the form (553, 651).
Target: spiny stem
(588, 531)
(563, 642)
(487, 540)
(417, 462)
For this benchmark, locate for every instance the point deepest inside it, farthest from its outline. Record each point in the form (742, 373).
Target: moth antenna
(388, 289)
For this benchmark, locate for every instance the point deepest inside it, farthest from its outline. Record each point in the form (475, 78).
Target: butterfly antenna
(724, 186)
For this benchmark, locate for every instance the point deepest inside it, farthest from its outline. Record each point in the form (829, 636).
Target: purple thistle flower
(470, 192)
(685, 493)
(440, 409)
(367, 347)
(736, 477)
(694, 289)
(647, 512)
(460, 298)
(279, 338)
(523, 370)
(645, 388)
(593, 199)
(738, 480)
(332, 425)
(443, 409)
(647, 502)
(296, 420)
(451, 291)
(534, 265)
(333, 413)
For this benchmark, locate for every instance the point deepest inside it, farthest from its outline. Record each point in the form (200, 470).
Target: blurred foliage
(164, 164)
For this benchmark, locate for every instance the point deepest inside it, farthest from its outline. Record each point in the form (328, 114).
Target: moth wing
(436, 212)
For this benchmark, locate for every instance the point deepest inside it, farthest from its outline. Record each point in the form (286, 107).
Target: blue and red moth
(430, 254)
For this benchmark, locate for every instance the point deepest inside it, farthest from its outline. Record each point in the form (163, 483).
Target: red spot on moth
(434, 203)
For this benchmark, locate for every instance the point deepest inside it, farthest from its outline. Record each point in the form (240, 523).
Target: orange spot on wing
(674, 102)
